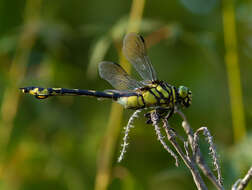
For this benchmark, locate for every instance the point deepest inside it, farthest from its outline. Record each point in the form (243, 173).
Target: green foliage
(53, 144)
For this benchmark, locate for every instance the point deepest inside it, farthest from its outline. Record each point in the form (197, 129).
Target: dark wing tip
(130, 36)
(142, 38)
(133, 35)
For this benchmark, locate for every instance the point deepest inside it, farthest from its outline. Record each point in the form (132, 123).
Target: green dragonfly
(132, 94)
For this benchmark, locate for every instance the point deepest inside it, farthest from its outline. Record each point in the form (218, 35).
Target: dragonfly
(150, 93)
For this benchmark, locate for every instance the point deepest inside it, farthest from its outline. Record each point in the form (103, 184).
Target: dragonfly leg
(170, 113)
(161, 112)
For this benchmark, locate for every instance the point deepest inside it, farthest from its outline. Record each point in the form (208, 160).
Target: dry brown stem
(190, 153)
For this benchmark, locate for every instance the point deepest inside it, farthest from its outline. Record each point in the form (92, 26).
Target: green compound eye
(183, 91)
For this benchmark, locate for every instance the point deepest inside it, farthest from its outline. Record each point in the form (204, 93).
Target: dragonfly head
(184, 96)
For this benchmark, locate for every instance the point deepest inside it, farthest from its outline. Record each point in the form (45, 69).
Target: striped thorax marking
(159, 94)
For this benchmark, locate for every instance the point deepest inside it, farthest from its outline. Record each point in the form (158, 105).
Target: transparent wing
(134, 50)
(117, 76)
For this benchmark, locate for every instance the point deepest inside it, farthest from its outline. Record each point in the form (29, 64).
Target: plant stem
(199, 158)
(17, 71)
(16, 74)
(188, 162)
(113, 129)
(233, 70)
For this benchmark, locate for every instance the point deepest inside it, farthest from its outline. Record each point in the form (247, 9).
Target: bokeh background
(65, 142)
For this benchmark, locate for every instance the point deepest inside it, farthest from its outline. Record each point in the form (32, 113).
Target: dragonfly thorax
(155, 94)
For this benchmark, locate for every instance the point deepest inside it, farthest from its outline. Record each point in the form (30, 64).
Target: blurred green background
(55, 143)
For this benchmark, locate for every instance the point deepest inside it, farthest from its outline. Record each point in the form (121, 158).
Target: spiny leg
(170, 113)
(160, 112)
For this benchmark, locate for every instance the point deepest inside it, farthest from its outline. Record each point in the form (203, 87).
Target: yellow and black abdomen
(131, 101)
(42, 93)
(153, 95)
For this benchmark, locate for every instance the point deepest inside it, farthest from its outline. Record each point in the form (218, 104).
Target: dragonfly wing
(135, 51)
(121, 92)
(117, 76)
